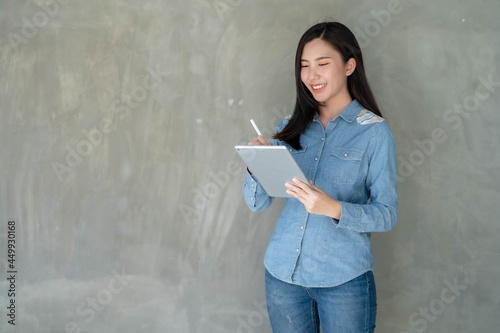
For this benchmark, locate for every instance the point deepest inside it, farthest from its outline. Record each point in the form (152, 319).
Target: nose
(312, 74)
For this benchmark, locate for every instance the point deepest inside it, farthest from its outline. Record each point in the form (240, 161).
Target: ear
(350, 66)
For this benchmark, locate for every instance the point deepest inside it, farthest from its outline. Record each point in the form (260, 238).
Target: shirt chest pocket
(343, 165)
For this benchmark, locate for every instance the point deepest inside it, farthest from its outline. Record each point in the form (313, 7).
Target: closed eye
(324, 64)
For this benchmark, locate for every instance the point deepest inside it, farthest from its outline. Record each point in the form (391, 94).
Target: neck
(331, 109)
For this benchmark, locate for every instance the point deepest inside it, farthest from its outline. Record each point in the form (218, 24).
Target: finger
(294, 190)
(296, 195)
(259, 141)
(294, 187)
(314, 187)
(302, 185)
(254, 143)
(263, 141)
(298, 182)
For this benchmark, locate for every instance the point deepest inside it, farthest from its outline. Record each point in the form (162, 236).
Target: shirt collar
(349, 113)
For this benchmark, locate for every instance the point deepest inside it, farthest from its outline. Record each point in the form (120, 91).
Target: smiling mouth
(319, 86)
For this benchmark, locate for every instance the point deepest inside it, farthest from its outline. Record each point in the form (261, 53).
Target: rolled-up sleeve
(256, 197)
(381, 213)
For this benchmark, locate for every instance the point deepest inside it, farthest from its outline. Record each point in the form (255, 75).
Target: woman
(319, 261)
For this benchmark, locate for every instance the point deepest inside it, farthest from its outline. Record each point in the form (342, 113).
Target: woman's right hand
(259, 141)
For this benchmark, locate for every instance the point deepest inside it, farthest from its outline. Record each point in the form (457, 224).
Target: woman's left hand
(315, 200)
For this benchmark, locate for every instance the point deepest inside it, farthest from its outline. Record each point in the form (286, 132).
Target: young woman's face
(324, 72)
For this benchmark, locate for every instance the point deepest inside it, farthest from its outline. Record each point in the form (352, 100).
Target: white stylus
(255, 126)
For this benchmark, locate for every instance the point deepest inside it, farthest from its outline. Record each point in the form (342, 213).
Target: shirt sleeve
(256, 197)
(380, 214)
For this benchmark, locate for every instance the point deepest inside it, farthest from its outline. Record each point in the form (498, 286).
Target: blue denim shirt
(354, 161)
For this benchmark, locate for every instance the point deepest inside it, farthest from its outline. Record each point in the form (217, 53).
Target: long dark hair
(344, 41)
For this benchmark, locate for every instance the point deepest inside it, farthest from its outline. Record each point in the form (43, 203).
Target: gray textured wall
(118, 121)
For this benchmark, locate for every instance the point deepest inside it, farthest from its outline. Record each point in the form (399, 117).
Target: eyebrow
(317, 59)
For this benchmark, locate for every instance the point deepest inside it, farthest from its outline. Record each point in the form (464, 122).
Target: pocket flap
(347, 154)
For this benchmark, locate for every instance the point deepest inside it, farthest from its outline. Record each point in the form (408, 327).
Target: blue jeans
(348, 308)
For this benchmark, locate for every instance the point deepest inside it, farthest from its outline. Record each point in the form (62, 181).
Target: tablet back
(273, 166)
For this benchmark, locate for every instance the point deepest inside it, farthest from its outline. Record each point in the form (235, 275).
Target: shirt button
(290, 150)
(322, 139)
(251, 198)
(345, 154)
(302, 228)
(316, 159)
(297, 250)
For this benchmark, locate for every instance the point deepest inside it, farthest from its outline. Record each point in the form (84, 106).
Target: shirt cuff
(250, 188)
(350, 217)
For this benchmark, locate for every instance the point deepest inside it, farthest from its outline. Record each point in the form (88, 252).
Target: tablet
(273, 166)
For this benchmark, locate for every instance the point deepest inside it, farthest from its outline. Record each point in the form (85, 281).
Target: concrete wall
(118, 121)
